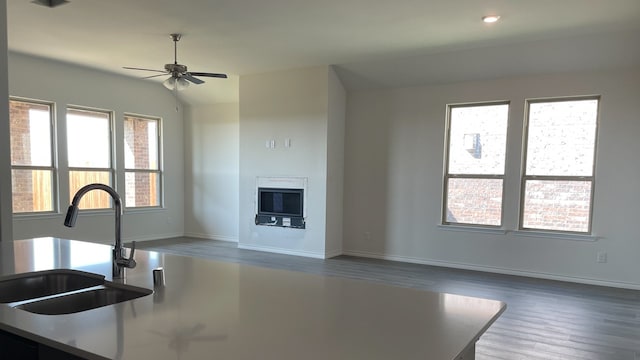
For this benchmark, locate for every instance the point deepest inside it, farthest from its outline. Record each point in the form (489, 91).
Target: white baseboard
(282, 251)
(491, 269)
(211, 237)
(332, 253)
(153, 237)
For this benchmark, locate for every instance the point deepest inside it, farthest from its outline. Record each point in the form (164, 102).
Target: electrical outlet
(367, 236)
(601, 257)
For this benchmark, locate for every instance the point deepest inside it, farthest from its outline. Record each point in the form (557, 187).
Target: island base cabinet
(14, 347)
(469, 353)
(48, 353)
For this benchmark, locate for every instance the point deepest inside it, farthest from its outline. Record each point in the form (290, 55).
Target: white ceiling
(373, 42)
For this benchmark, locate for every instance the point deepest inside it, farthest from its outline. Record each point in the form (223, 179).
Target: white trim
(555, 235)
(276, 250)
(36, 216)
(153, 237)
(471, 228)
(497, 270)
(53, 215)
(523, 233)
(282, 182)
(332, 253)
(524, 177)
(211, 237)
(144, 210)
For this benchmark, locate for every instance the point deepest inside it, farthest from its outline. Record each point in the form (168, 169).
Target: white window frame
(524, 177)
(110, 169)
(52, 151)
(159, 171)
(447, 176)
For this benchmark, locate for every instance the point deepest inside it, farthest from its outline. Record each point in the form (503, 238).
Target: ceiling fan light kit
(174, 83)
(179, 77)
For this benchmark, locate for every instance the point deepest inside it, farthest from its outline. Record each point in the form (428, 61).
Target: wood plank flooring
(545, 320)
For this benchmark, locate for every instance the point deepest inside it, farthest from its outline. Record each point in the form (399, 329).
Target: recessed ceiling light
(490, 18)
(50, 3)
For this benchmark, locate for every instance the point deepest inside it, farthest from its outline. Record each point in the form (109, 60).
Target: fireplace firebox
(280, 207)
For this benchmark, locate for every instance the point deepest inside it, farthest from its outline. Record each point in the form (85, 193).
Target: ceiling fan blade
(152, 76)
(135, 68)
(192, 79)
(222, 76)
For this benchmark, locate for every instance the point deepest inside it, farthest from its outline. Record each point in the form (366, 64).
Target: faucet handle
(130, 262)
(127, 262)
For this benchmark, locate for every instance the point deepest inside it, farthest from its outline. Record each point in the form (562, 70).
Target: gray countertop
(211, 309)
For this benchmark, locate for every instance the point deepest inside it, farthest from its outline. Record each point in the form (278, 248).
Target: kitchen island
(210, 309)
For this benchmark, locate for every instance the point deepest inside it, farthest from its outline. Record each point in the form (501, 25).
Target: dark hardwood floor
(545, 320)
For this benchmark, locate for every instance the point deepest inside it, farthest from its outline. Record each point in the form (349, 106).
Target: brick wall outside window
(31, 188)
(141, 161)
(21, 154)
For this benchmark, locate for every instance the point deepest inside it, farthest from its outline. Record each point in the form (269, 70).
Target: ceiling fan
(179, 76)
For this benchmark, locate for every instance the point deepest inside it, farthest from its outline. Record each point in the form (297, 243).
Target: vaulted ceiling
(372, 42)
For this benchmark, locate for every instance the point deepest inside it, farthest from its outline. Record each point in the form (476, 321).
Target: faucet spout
(120, 260)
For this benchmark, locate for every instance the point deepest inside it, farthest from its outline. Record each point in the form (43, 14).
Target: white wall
(337, 103)
(65, 84)
(211, 171)
(286, 104)
(6, 226)
(393, 180)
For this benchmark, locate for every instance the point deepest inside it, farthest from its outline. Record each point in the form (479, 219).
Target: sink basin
(85, 300)
(20, 287)
(63, 291)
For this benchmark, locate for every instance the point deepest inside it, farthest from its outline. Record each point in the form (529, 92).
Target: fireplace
(281, 202)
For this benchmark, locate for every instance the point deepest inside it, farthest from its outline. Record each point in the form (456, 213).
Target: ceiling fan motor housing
(176, 69)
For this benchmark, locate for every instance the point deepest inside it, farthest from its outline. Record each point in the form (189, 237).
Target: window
(89, 154)
(142, 161)
(33, 172)
(475, 164)
(557, 186)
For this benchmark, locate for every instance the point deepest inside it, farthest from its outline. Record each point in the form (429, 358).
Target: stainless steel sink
(20, 287)
(63, 291)
(85, 299)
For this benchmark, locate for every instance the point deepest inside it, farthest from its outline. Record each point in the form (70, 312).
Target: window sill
(523, 233)
(89, 212)
(35, 216)
(93, 212)
(144, 210)
(477, 229)
(554, 235)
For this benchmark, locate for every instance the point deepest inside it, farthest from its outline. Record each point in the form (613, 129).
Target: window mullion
(558, 178)
(29, 167)
(475, 176)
